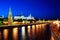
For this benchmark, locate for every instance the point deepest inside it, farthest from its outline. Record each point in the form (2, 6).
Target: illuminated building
(19, 17)
(10, 20)
(23, 17)
(30, 17)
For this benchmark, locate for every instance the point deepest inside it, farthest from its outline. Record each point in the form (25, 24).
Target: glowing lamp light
(15, 22)
(56, 22)
(28, 27)
(23, 22)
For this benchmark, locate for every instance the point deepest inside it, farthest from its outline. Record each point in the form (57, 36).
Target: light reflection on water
(23, 33)
(15, 33)
(0, 35)
(33, 32)
(28, 31)
(37, 29)
(33, 29)
(5, 34)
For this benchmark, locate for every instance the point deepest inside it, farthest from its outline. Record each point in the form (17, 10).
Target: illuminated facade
(23, 17)
(10, 20)
(30, 17)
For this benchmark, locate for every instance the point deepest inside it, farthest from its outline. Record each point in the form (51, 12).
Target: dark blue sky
(48, 9)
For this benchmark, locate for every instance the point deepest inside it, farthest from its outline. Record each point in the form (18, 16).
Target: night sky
(47, 9)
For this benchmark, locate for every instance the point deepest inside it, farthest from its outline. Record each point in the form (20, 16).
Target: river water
(34, 32)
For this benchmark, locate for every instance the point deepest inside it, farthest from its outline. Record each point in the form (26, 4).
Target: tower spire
(10, 13)
(30, 15)
(10, 20)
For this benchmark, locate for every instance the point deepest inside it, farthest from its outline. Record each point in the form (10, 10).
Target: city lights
(29, 19)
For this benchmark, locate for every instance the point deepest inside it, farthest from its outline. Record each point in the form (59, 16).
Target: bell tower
(10, 20)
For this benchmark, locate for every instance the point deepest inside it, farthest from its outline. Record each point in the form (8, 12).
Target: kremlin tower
(10, 20)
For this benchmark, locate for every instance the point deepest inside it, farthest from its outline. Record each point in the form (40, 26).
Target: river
(34, 32)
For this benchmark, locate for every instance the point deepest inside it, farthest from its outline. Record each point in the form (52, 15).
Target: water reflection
(23, 33)
(33, 29)
(0, 35)
(15, 33)
(43, 26)
(5, 34)
(28, 31)
(37, 28)
(52, 38)
(34, 32)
